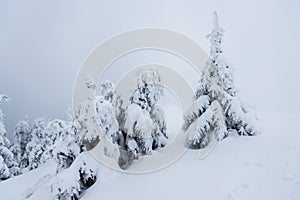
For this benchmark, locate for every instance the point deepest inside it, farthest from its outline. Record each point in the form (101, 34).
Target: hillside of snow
(260, 167)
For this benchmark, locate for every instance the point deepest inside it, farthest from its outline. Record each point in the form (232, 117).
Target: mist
(43, 43)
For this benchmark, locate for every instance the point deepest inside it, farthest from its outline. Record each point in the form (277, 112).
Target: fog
(43, 43)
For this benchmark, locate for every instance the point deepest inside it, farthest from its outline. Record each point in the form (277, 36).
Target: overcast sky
(43, 43)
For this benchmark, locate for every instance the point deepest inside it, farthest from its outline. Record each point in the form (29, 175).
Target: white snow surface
(257, 167)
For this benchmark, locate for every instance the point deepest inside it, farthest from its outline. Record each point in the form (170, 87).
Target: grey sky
(43, 43)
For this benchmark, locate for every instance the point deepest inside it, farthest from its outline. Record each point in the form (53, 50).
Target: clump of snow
(138, 122)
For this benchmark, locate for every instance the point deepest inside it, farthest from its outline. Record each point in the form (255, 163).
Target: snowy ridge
(268, 171)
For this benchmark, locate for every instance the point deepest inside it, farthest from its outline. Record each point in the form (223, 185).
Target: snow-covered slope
(27, 184)
(261, 167)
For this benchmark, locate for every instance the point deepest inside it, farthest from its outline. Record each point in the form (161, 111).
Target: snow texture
(268, 171)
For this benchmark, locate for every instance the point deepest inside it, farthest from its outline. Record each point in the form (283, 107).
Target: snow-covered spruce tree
(8, 165)
(60, 142)
(106, 89)
(4, 171)
(145, 124)
(114, 106)
(37, 146)
(71, 182)
(52, 133)
(217, 109)
(109, 127)
(120, 109)
(84, 114)
(108, 107)
(52, 139)
(66, 147)
(99, 111)
(76, 169)
(105, 111)
(22, 136)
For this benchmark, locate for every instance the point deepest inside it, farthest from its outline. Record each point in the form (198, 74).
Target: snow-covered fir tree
(145, 124)
(110, 105)
(105, 112)
(107, 90)
(8, 165)
(217, 109)
(4, 171)
(71, 182)
(148, 89)
(120, 109)
(84, 114)
(99, 110)
(57, 139)
(66, 147)
(52, 139)
(109, 127)
(52, 134)
(22, 137)
(37, 146)
(76, 169)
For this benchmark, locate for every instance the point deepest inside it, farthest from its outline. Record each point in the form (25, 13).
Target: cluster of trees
(47, 139)
(126, 130)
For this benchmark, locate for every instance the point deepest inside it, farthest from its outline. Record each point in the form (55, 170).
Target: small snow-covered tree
(105, 111)
(106, 89)
(84, 115)
(76, 168)
(96, 117)
(22, 136)
(140, 129)
(70, 183)
(9, 160)
(53, 132)
(66, 147)
(158, 115)
(37, 146)
(4, 141)
(109, 103)
(109, 112)
(4, 171)
(120, 109)
(145, 123)
(217, 109)
(8, 165)
(109, 127)
(148, 89)
(52, 139)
